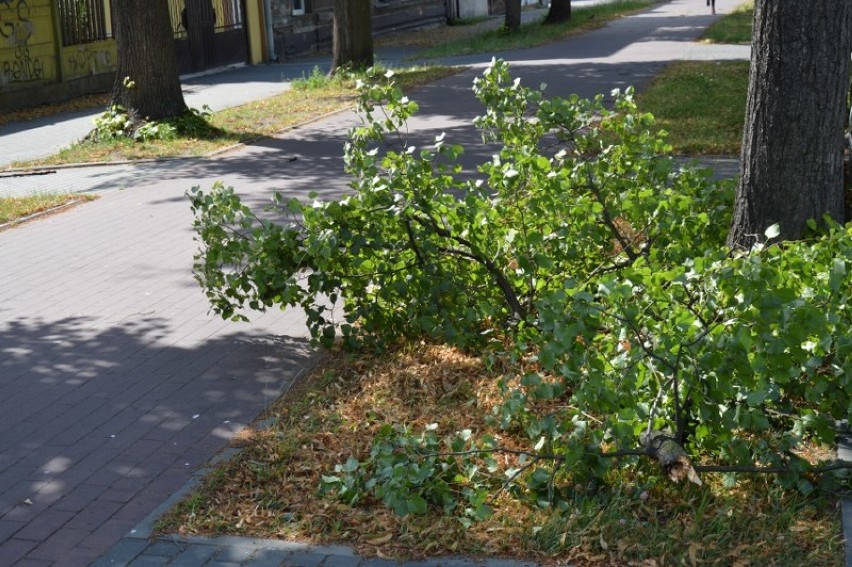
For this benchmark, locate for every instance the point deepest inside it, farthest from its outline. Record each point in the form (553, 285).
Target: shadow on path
(100, 425)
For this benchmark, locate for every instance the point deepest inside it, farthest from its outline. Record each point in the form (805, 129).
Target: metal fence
(229, 15)
(84, 21)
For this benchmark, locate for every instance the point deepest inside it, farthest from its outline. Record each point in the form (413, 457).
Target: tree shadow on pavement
(100, 425)
(310, 159)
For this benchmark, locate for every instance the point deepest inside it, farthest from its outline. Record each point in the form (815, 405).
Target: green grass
(532, 34)
(752, 524)
(701, 105)
(311, 97)
(16, 208)
(733, 28)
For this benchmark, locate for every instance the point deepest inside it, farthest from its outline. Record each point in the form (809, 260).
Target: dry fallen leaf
(693, 554)
(380, 540)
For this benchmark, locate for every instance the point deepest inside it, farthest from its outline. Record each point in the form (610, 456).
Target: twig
(413, 243)
(833, 466)
(512, 478)
(472, 253)
(609, 222)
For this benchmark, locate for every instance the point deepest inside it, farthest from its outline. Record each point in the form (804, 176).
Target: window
(298, 7)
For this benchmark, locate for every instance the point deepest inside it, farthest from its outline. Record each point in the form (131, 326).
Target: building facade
(54, 50)
(300, 27)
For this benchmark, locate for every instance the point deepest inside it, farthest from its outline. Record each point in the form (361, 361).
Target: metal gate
(84, 21)
(208, 33)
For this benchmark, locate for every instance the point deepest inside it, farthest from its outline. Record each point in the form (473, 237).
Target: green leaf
(756, 398)
(416, 504)
(351, 465)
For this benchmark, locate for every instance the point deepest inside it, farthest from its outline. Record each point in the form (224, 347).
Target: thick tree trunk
(147, 81)
(792, 156)
(513, 15)
(353, 34)
(560, 11)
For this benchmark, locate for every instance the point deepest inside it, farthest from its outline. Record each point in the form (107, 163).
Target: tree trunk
(791, 167)
(353, 34)
(513, 15)
(560, 11)
(147, 83)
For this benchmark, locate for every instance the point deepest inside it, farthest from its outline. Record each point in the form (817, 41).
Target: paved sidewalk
(117, 386)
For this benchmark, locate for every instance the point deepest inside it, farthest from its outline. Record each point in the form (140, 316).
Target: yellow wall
(32, 55)
(27, 52)
(88, 59)
(254, 24)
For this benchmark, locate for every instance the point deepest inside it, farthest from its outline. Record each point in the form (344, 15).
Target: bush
(582, 255)
(116, 123)
(111, 124)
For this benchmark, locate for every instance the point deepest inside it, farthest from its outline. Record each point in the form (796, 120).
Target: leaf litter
(270, 489)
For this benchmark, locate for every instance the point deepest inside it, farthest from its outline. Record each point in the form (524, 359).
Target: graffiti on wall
(84, 60)
(16, 29)
(22, 67)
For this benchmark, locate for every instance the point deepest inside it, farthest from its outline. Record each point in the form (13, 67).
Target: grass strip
(309, 98)
(13, 209)
(701, 105)
(632, 517)
(535, 33)
(733, 28)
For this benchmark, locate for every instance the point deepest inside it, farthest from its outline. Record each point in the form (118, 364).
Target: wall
(35, 68)
(27, 51)
(472, 8)
(87, 59)
(296, 35)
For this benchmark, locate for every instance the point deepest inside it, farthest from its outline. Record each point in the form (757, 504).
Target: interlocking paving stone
(341, 561)
(194, 555)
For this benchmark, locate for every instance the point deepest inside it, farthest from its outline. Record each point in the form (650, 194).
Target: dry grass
(14, 209)
(271, 489)
(242, 124)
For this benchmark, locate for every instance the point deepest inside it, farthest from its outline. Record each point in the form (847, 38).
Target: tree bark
(147, 83)
(672, 458)
(513, 15)
(560, 11)
(791, 166)
(352, 35)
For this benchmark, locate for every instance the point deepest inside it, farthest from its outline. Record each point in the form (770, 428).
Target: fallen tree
(582, 257)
